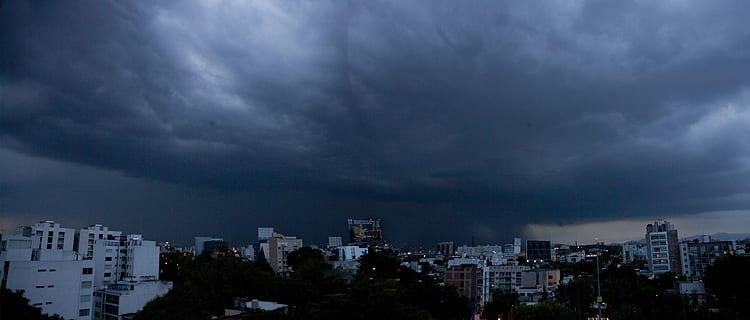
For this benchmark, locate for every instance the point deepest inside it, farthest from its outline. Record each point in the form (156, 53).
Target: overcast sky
(447, 119)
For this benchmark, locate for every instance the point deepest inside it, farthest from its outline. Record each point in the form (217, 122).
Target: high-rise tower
(662, 246)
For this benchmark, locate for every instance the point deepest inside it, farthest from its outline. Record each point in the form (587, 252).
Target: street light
(598, 284)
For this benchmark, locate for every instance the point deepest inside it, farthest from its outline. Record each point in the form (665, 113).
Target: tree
(543, 311)
(379, 265)
(724, 280)
(262, 263)
(13, 305)
(502, 303)
(366, 300)
(205, 286)
(578, 295)
(300, 255)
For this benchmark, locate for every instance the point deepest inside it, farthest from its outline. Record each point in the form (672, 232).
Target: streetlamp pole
(598, 284)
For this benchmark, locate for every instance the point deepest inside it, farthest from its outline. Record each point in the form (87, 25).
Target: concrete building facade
(279, 246)
(663, 251)
(54, 280)
(113, 301)
(698, 255)
(467, 279)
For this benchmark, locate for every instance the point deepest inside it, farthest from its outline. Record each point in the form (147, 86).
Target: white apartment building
(129, 258)
(662, 248)
(264, 233)
(279, 246)
(50, 235)
(112, 301)
(88, 236)
(41, 261)
(506, 278)
(350, 252)
(479, 251)
(335, 242)
(699, 254)
(52, 279)
(248, 252)
(632, 252)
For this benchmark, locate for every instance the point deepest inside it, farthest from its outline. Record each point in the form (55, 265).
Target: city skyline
(446, 120)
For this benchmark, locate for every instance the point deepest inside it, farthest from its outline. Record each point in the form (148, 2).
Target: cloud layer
(478, 118)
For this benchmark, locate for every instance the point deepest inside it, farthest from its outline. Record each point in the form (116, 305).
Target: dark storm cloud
(466, 112)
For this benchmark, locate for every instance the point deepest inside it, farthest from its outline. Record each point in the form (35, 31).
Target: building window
(39, 287)
(107, 274)
(88, 271)
(112, 299)
(86, 284)
(42, 270)
(83, 312)
(51, 286)
(111, 309)
(108, 259)
(85, 298)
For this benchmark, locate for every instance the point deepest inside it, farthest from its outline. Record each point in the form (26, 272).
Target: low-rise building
(350, 252)
(116, 299)
(505, 278)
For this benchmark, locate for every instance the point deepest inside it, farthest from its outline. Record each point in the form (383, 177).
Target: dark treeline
(629, 295)
(382, 289)
(13, 305)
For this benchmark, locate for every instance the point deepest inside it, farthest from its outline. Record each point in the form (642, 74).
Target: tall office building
(662, 248)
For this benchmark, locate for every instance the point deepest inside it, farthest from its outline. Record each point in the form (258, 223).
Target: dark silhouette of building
(538, 250)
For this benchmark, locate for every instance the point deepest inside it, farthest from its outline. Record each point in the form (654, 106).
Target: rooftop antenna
(472, 241)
